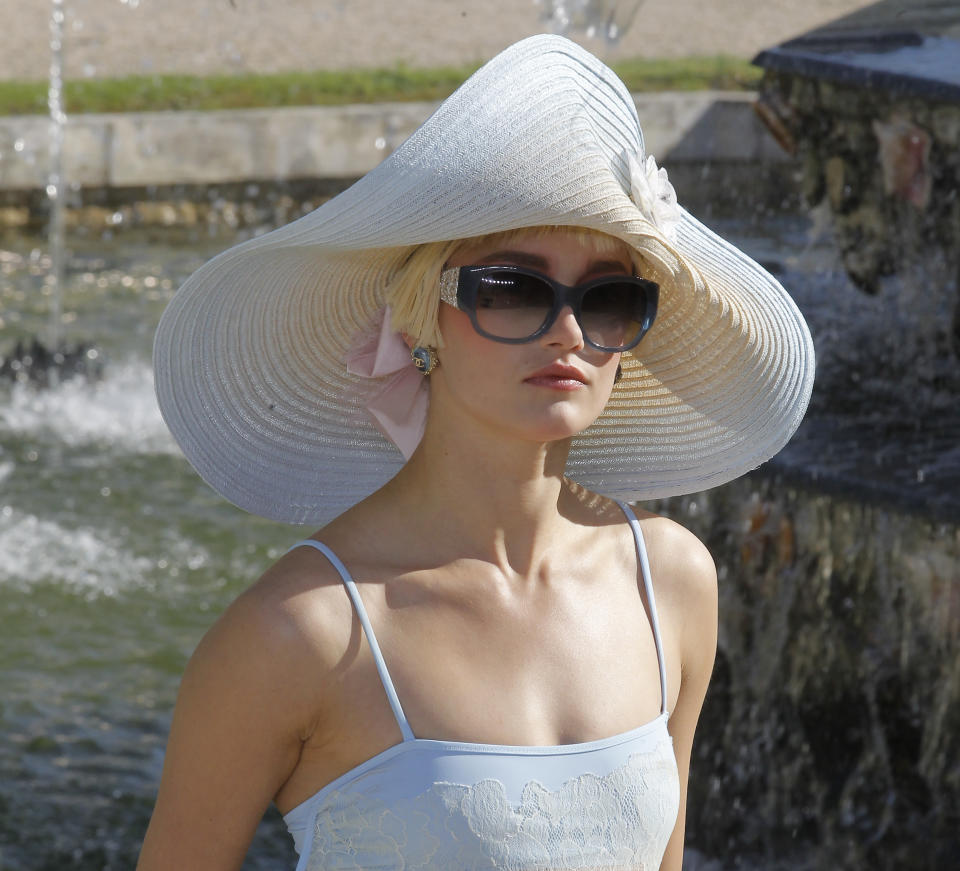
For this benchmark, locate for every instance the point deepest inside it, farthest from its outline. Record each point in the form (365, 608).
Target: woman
(479, 661)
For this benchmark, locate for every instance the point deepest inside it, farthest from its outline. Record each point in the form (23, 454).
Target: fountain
(55, 190)
(45, 362)
(608, 19)
(870, 105)
(830, 734)
(834, 715)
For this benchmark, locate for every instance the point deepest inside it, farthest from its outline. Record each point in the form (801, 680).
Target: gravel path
(117, 37)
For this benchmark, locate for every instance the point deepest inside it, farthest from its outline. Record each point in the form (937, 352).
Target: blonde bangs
(414, 293)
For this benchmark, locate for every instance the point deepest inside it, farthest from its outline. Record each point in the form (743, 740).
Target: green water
(114, 559)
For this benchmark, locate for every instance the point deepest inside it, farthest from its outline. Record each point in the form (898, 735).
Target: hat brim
(249, 355)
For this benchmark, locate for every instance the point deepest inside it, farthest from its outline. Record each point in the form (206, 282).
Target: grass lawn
(331, 88)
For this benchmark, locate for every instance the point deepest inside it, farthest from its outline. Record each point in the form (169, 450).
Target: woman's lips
(557, 377)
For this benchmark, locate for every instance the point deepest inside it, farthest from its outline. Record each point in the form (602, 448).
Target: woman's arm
(692, 601)
(240, 718)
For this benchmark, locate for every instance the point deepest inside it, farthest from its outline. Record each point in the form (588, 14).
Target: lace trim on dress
(615, 822)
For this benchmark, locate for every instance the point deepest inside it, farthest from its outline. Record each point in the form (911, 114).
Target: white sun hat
(251, 354)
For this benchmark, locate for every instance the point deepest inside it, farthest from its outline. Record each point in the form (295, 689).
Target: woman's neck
(502, 500)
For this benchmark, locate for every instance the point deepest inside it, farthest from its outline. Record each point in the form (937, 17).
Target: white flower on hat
(653, 194)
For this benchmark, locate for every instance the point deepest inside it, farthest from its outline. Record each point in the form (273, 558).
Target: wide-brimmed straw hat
(251, 355)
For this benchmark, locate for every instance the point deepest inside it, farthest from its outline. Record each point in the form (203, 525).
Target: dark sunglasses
(514, 305)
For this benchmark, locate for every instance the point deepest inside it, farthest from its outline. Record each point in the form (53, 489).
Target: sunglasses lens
(612, 314)
(512, 305)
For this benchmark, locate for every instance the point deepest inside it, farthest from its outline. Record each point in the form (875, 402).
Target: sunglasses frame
(459, 285)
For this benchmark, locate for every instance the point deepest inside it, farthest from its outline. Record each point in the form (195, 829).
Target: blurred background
(138, 138)
(109, 38)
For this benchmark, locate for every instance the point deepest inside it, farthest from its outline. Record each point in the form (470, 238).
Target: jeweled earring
(618, 375)
(425, 358)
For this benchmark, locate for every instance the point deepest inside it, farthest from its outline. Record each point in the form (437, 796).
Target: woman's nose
(565, 330)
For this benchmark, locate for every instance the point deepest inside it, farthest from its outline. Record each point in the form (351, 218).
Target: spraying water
(55, 186)
(46, 362)
(608, 19)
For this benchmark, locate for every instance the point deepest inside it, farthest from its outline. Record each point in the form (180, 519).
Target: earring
(619, 375)
(425, 359)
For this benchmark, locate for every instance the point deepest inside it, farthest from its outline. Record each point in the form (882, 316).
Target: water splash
(33, 549)
(607, 19)
(120, 410)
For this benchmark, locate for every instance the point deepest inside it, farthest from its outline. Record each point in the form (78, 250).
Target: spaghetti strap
(354, 594)
(648, 587)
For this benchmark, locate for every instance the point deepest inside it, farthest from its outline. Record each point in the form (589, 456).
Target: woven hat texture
(249, 355)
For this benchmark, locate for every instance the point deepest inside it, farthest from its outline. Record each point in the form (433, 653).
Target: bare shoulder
(292, 623)
(678, 553)
(683, 571)
(297, 607)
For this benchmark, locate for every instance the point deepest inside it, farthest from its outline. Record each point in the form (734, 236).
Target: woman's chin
(560, 425)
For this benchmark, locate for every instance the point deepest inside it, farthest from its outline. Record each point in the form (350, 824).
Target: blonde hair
(413, 293)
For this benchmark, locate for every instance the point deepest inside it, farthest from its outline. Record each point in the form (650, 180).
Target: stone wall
(113, 154)
(886, 167)
(830, 737)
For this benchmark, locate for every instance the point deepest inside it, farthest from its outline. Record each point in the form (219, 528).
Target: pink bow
(399, 406)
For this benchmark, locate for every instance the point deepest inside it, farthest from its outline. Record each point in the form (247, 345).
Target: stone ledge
(333, 142)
